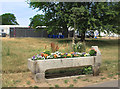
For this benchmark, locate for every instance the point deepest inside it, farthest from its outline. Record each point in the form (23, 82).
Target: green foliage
(65, 81)
(85, 79)
(57, 86)
(103, 78)
(92, 52)
(87, 70)
(71, 85)
(37, 20)
(28, 82)
(110, 75)
(79, 47)
(8, 19)
(47, 52)
(75, 80)
(82, 16)
(36, 87)
(79, 77)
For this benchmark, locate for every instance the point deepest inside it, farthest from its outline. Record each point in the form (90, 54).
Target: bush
(79, 47)
(92, 52)
(87, 70)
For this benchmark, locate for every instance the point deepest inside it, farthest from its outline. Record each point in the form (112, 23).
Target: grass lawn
(16, 51)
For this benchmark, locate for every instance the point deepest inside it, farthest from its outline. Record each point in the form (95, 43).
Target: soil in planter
(55, 73)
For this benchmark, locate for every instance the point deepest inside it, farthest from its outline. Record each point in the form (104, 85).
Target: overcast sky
(20, 9)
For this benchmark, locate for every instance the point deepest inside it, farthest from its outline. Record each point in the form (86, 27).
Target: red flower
(42, 54)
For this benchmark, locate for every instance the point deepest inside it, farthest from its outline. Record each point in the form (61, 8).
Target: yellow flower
(71, 52)
(69, 55)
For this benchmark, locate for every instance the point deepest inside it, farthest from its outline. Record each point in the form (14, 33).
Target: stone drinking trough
(39, 67)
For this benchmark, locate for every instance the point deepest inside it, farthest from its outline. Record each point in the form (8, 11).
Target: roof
(41, 27)
(12, 26)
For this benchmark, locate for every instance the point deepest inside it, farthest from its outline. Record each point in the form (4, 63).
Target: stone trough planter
(39, 67)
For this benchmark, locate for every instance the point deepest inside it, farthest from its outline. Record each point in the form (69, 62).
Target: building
(27, 32)
(6, 28)
(96, 33)
(22, 31)
(105, 34)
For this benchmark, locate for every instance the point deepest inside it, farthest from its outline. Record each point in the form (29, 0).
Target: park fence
(27, 32)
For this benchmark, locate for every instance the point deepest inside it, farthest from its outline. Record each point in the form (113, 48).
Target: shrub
(92, 52)
(87, 70)
(79, 47)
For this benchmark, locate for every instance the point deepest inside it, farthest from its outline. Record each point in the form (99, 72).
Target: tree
(54, 13)
(116, 21)
(8, 19)
(81, 15)
(37, 20)
(104, 15)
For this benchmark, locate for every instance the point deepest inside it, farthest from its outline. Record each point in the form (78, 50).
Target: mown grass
(15, 52)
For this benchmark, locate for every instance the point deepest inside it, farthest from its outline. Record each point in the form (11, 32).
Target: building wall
(27, 32)
(6, 28)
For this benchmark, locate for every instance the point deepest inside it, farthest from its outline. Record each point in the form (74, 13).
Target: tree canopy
(37, 20)
(8, 19)
(80, 15)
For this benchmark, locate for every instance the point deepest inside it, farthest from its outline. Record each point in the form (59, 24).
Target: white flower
(39, 56)
(48, 57)
(52, 53)
(87, 54)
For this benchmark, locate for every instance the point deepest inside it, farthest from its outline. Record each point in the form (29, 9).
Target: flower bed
(47, 55)
(39, 63)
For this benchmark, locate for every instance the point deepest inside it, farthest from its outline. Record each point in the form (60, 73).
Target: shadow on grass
(64, 40)
(102, 42)
(93, 42)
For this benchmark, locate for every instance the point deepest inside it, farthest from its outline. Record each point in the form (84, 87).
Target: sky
(20, 9)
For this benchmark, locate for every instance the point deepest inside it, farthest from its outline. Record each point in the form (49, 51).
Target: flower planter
(39, 67)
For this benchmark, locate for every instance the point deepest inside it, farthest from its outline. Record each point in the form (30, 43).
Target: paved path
(113, 83)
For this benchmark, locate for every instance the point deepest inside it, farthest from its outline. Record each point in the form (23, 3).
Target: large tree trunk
(65, 31)
(99, 33)
(68, 34)
(83, 36)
